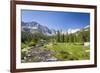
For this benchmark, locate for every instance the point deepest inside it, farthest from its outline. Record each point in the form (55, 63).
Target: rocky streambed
(39, 54)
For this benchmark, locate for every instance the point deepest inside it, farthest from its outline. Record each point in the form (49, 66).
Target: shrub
(62, 55)
(32, 44)
(23, 45)
(23, 54)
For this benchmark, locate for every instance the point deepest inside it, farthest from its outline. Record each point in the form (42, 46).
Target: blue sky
(57, 20)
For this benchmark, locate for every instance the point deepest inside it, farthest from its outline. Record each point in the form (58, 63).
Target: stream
(39, 54)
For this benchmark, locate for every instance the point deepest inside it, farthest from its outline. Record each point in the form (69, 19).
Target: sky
(57, 20)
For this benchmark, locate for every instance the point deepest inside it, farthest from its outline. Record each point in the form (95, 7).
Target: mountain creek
(39, 54)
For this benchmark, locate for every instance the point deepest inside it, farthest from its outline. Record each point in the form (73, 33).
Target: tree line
(79, 37)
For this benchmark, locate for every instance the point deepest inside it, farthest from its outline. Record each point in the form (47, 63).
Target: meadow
(69, 51)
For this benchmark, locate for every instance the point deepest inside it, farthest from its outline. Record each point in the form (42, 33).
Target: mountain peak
(34, 27)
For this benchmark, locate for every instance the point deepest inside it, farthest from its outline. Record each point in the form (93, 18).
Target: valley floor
(56, 52)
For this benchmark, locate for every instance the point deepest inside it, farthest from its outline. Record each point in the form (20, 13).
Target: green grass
(67, 51)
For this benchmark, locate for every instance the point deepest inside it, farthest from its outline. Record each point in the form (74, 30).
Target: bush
(23, 54)
(62, 55)
(23, 45)
(72, 57)
(45, 46)
(32, 44)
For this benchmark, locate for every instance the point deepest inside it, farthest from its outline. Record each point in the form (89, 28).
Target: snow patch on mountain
(87, 26)
(73, 30)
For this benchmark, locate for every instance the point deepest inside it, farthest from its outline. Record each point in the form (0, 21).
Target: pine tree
(63, 38)
(58, 36)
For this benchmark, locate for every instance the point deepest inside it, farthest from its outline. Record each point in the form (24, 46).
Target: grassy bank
(69, 51)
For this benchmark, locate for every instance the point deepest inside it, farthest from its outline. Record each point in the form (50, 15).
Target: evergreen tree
(63, 38)
(58, 36)
(66, 38)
